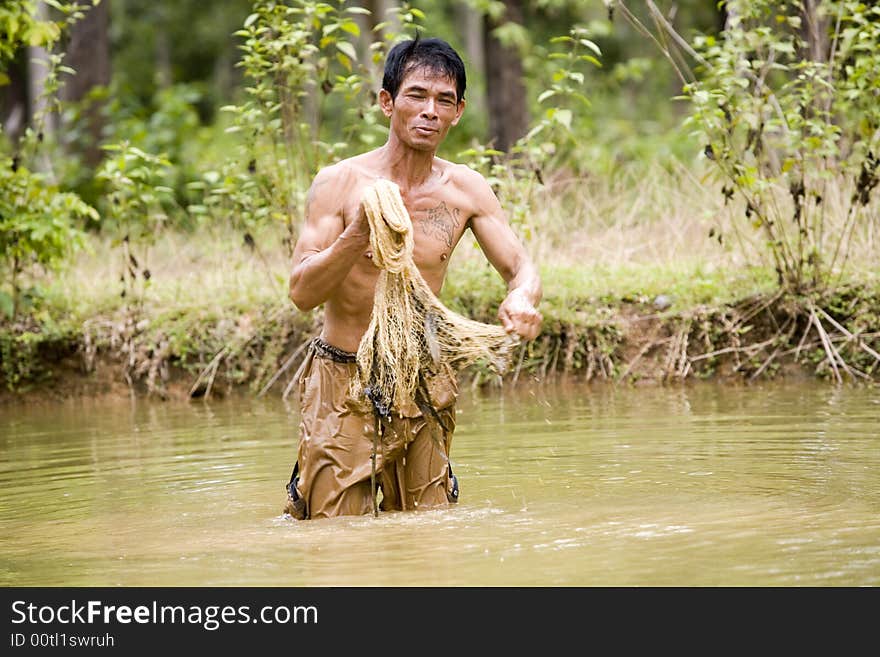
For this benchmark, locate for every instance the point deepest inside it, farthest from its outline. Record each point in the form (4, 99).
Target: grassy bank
(637, 288)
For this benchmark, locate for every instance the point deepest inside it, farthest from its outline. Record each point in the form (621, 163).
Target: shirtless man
(423, 97)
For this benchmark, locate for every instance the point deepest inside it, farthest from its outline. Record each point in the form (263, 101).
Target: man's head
(434, 55)
(423, 92)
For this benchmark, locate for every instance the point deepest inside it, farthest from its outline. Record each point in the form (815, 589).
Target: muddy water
(561, 485)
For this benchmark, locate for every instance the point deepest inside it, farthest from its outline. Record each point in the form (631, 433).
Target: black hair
(434, 54)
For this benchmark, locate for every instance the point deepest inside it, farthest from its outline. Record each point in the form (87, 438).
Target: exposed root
(834, 358)
(860, 343)
(205, 380)
(651, 344)
(834, 336)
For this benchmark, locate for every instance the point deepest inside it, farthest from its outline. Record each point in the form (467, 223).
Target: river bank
(637, 341)
(207, 315)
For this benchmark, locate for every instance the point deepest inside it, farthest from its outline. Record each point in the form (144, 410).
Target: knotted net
(411, 333)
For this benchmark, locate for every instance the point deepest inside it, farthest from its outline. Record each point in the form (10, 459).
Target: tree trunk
(380, 12)
(38, 67)
(469, 24)
(506, 92)
(14, 99)
(814, 29)
(88, 53)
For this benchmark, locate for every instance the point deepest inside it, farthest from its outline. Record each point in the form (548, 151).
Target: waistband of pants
(327, 350)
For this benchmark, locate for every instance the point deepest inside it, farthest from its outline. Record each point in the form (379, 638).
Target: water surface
(562, 485)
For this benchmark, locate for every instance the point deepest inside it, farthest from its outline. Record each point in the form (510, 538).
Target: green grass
(578, 294)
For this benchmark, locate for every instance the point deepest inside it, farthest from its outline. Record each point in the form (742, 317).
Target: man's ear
(458, 112)
(386, 102)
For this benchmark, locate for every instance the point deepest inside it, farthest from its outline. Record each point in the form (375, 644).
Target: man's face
(425, 108)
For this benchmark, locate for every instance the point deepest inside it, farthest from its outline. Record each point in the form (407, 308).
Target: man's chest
(437, 223)
(439, 216)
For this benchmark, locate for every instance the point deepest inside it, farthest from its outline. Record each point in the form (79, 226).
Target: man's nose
(429, 109)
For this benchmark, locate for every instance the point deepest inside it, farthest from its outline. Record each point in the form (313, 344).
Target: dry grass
(208, 271)
(638, 234)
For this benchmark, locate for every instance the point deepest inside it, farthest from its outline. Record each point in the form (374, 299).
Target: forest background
(695, 179)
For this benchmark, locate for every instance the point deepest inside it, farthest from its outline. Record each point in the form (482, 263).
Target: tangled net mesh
(411, 333)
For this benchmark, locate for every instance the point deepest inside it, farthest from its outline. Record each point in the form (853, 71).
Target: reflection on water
(561, 485)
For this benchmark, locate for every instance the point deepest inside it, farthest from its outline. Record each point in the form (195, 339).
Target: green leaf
(547, 94)
(250, 20)
(592, 46)
(563, 116)
(351, 27)
(534, 132)
(347, 49)
(43, 33)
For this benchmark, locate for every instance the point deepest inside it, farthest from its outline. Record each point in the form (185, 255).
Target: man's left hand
(518, 315)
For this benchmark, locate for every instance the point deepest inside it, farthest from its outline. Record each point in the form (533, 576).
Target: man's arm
(326, 248)
(489, 224)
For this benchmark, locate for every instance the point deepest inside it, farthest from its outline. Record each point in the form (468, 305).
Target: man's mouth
(425, 130)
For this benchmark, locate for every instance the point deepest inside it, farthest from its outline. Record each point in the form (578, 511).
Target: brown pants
(337, 435)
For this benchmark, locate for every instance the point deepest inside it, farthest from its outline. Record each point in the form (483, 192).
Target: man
(423, 97)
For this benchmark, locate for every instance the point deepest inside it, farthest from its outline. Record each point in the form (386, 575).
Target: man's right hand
(335, 235)
(359, 229)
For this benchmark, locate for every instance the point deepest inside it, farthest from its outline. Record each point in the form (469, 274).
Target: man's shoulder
(468, 182)
(462, 173)
(347, 168)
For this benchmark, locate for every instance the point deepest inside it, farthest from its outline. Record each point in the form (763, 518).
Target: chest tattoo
(441, 223)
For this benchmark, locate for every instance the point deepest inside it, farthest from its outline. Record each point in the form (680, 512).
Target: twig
(289, 387)
(645, 349)
(545, 361)
(635, 22)
(568, 359)
(797, 351)
(212, 368)
(555, 356)
(793, 323)
(591, 364)
(849, 335)
(767, 362)
(823, 336)
(522, 356)
(683, 44)
(229, 351)
(674, 354)
(684, 365)
(285, 367)
(754, 348)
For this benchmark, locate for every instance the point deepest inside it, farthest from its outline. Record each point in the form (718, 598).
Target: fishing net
(411, 333)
